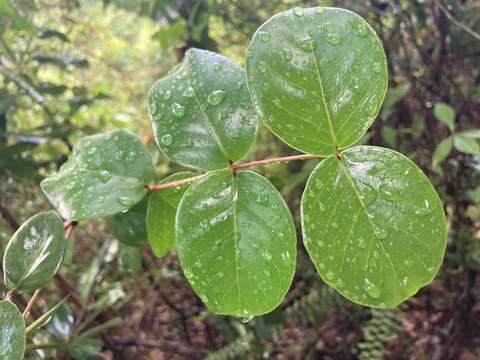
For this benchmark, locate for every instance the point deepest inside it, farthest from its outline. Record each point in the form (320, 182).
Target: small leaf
(85, 349)
(466, 143)
(202, 113)
(162, 209)
(44, 318)
(445, 114)
(389, 136)
(61, 322)
(236, 242)
(373, 225)
(130, 227)
(318, 77)
(35, 252)
(12, 332)
(441, 152)
(130, 259)
(105, 175)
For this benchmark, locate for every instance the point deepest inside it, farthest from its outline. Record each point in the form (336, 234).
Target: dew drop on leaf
(125, 201)
(287, 54)
(189, 93)
(334, 39)
(298, 11)
(178, 110)
(166, 139)
(264, 36)
(262, 66)
(376, 67)
(266, 255)
(372, 290)
(319, 10)
(216, 97)
(329, 275)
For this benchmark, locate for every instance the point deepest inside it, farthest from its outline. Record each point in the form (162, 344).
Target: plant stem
(9, 295)
(30, 303)
(234, 168)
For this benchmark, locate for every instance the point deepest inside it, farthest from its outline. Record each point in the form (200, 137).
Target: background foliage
(70, 68)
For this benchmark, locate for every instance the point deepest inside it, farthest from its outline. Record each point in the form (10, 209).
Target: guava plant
(372, 223)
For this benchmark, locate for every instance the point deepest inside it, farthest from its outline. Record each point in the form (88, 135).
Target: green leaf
(85, 349)
(442, 151)
(445, 114)
(130, 227)
(35, 252)
(389, 136)
(105, 175)
(394, 95)
(168, 35)
(44, 318)
(202, 113)
(12, 332)
(62, 321)
(373, 225)
(130, 259)
(161, 212)
(466, 143)
(236, 242)
(318, 77)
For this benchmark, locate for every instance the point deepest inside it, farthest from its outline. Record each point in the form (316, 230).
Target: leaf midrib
(362, 205)
(235, 235)
(322, 93)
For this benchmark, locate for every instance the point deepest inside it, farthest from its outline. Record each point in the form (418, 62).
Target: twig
(456, 22)
(31, 302)
(234, 168)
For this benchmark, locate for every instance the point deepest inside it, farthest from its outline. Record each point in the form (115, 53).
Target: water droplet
(216, 97)
(125, 201)
(287, 54)
(217, 66)
(361, 242)
(262, 66)
(377, 67)
(334, 39)
(246, 319)
(188, 273)
(298, 11)
(264, 36)
(372, 290)
(321, 243)
(404, 281)
(189, 93)
(153, 108)
(266, 255)
(334, 225)
(286, 256)
(329, 275)
(168, 94)
(306, 43)
(381, 233)
(262, 199)
(103, 176)
(321, 207)
(359, 27)
(70, 186)
(131, 156)
(166, 139)
(178, 109)
(319, 10)
(371, 109)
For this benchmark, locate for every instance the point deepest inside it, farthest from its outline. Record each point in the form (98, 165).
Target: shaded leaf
(85, 349)
(202, 113)
(105, 175)
(445, 114)
(12, 332)
(162, 209)
(373, 225)
(61, 322)
(318, 77)
(466, 143)
(441, 152)
(130, 227)
(35, 252)
(130, 259)
(44, 318)
(236, 242)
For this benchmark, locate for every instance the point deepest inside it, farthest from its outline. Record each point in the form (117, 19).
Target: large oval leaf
(130, 228)
(318, 77)
(202, 113)
(105, 175)
(236, 243)
(373, 225)
(35, 252)
(161, 212)
(12, 332)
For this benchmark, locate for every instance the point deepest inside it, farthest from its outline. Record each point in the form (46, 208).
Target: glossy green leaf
(104, 176)
(445, 114)
(44, 318)
(35, 252)
(12, 332)
(130, 259)
(236, 243)
(130, 228)
(85, 349)
(373, 225)
(162, 209)
(441, 152)
(202, 113)
(318, 77)
(466, 143)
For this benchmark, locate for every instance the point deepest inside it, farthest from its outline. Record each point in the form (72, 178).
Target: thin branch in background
(26, 312)
(456, 22)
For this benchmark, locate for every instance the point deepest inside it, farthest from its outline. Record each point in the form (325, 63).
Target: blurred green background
(69, 68)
